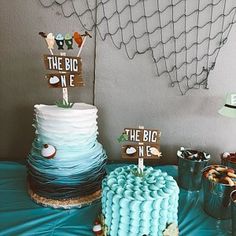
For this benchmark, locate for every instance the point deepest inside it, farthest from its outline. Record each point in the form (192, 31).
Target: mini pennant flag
(123, 138)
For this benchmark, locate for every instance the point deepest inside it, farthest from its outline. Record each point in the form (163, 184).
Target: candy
(213, 171)
(222, 169)
(78, 39)
(230, 174)
(59, 41)
(229, 180)
(193, 155)
(221, 174)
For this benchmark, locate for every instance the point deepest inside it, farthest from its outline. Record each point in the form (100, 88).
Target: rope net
(183, 36)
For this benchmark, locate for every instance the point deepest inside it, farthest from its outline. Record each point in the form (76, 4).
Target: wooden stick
(64, 90)
(45, 36)
(84, 40)
(140, 160)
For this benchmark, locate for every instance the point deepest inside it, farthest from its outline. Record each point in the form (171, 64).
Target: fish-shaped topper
(68, 41)
(60, 41)
(50, 39)
(78, 39)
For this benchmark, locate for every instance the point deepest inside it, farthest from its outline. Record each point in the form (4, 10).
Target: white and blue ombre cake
(146, 205)
(66, 164)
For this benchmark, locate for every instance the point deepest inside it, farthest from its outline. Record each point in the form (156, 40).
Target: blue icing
(79, 158)
(143, 202)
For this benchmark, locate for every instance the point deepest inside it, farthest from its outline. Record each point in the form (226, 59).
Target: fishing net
(184, 37)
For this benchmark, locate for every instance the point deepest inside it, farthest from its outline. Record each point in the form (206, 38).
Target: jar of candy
(218, 183)
(190, 166)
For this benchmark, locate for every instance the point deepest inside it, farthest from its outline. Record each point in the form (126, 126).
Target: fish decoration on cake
(54, 80)
(78, 39)
(48, 151)
(50, 39)
(68, 41)
(130, 150)
(154, 151)
(60, 41)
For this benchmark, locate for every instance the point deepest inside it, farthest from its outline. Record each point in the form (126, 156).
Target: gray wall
(127, 93)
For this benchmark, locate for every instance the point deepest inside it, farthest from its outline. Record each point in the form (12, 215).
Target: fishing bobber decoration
(48, 151)
(145, 144)
(66, 71)
(99, 227)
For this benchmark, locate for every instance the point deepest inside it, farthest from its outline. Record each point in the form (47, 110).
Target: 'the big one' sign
(146, 143)
(68, 71)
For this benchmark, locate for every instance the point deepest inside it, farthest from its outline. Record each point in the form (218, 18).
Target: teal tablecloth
(21, 216)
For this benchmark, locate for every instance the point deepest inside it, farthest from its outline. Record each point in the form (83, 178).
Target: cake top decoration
(66, 71)
(145, 144)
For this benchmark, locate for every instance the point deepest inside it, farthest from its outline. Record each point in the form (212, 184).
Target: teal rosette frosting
(134, 205)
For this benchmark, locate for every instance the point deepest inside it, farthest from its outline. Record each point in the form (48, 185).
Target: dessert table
(19, 215)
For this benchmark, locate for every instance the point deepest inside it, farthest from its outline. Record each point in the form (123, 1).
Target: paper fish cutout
(78, 38)
(154, 151)
(60, 41)
(123, 137)
(54, 80)
(50, 39)
(130, 150)
(69, 41)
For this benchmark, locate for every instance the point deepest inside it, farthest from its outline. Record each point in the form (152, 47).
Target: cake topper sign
(67, 69)
(147, 143)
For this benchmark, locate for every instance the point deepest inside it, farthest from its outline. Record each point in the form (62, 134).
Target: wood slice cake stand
(65, 203)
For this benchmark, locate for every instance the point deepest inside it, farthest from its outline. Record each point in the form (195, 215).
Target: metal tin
(216, 198)
(233, 212)
(190, 173)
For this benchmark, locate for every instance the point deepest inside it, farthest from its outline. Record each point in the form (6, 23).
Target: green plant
(138, 172)
(64, 104)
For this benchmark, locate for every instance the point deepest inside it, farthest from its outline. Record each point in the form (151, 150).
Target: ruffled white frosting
(139, 205)
(73, 132)
(73, 127)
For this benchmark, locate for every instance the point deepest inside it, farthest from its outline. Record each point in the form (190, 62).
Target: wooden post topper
(140, 159)
(146, 144)
(68, 71)
(64, 90)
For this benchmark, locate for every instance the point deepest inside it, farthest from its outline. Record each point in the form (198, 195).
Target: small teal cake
(140, 205)
(66, 163)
